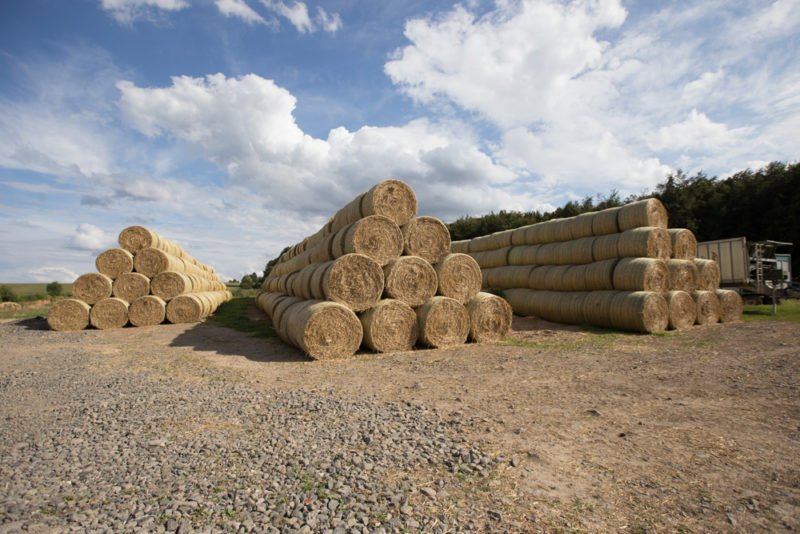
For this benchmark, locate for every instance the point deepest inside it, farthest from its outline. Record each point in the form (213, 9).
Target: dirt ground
(694, 431)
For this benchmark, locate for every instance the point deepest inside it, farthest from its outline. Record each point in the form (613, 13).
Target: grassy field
(28, 290)
(788, 310)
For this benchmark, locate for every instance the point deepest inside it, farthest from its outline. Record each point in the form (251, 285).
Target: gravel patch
(125, 450)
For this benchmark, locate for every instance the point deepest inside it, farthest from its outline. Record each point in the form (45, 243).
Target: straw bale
(682, 310)
(645, 242)
(518, 236)
(548, 254)
(68, 314)
(485, 274)
(194, 307)
(135, 238)
(151, 261)
(375, 236)
(576, 252)
(597, 308)
(279, 315)
(170, 284)
(489, 318)
(426, 237)
(461, 247)
(131, 286)
(390, 325)
(708, 306)
(323, 251)
(391, 198)
(542, 304)
(323, 330)
(353, 280)
(202, 283)
(639, 311)
(538, 277)
(316, 285)
(554, 278)
(549, 231)
(641, 274)
(114, 262)
(684, 244)
(730, 305)
(509, 277)
(605, 247)
(266, 301)
(523, 255)
(648, 212)
(459, 277)
(492, 258)
(581, 226)
(604, 222)
(709, 274)
(570, 307)
(410, 279)
(483, 243)
(683, 275)
(147, 311)
(563, 229)
(92, 287)
(600, 275)
(442, 322)
(575, 279)
(520, 300)
(109, 313)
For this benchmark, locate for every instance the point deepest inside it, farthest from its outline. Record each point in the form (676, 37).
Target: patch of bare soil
(694, 431)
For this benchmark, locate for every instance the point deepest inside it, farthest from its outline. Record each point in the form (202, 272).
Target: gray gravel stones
(120, 450)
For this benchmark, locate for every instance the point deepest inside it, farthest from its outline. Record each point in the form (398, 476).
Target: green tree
(54, 289)
(247, 282)
(7, 294)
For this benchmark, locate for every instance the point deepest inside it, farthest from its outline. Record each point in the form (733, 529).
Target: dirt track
(697, 431)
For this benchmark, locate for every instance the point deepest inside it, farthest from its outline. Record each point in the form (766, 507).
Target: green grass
(233, 314)
(788, 310)
(29, 290)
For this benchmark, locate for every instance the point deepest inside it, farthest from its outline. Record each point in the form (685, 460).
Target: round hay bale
(459, 277)
(576, 252)
(323, 251)
(521, 300)
(518, 236)
(600, 275)
(114, 262)
(194, 307)
(682, 310)
(562, 229)
(532, 234)
(492, 258)
(278, 315)
(641, 274)
(374, 236)
(302, 283)
(389, 326)
(147, 311)
(170, 284)
(708, 307)
(393, 199)
(317, 286)
(109, 313)
(485, 274)
(442, 322)
(730, 305)
(353, 280)
(323, 330)
(581, 226)
(570, 307)
(648, 212)
(575, 278)
(639, 311)
(683, 275)
(604, 222)
(489, 318)
(523, 255)
(410, 279)
(460, 247)
(266, 300)
(151, 261)
(548, 231)
(554, 278)
(684, 244)
(709, 274)
(426, 237)
(68, 314)
(483, 243)
(135, 238)
(605, 247)
(645, 242)
(538, 277)
(131, 286)
(597, 308)
(548, 254)
(509, 277)
(92, 287)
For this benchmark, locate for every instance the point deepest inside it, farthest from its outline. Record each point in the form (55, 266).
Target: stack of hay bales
(378, 275)
(617, 268)
(146, 280)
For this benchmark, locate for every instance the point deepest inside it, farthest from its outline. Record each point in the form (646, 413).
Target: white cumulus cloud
(240, 9)
(127, 11)
(90, 237)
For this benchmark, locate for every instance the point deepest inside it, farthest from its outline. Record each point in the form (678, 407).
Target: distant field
(22, 290)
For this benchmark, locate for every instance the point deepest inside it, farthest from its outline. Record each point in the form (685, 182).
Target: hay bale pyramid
(379, 276)
(620, 268)
(142, 283)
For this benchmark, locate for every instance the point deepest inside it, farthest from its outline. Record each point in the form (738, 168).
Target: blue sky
(236, 127)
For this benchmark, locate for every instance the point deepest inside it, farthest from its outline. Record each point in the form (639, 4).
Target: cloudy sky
(236, 127)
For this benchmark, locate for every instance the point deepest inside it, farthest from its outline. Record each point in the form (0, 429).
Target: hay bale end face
(730, 305)
(136, 238)
(645, 242)
(147, 311)
(391, 198)
(68, 315)
(709, 274)
(442, 322)
(114, 262)
(375, 236)
(426, 237)
(647, 212)
(708, 308)
(131, 286)
(355, 281)
(489, 318)
(410, 279)
(639, 311)
(109, 313)
(92, 287)
(459, 277)
(683, 275)
(684, 244)
(170, 284)
(323, 330)
(641, 274)
(682, 310)
(389, 326)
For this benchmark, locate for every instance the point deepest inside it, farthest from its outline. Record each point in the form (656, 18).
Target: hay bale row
(136, 238)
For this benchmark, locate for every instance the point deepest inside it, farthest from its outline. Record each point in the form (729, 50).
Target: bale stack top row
(378, 274)
(145, 281)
